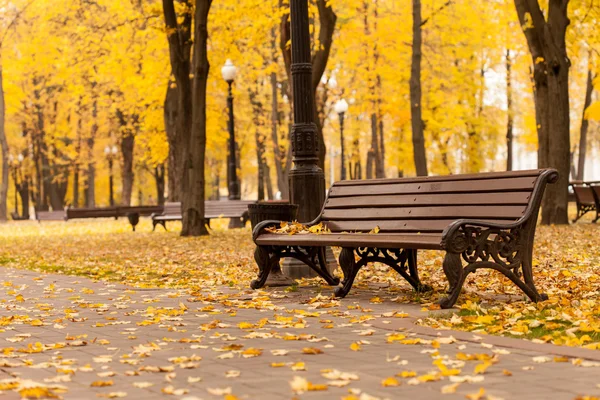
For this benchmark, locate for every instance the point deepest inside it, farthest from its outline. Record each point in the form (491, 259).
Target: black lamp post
(307, 181)
(110, 153)
(341, 107)
(229, 71)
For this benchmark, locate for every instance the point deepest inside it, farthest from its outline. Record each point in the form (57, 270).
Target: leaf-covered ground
(566, 267)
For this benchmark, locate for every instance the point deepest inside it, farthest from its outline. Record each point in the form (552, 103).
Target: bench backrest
(214, 208)
(430, 204)
(583, 194)
(227, 208)
(596, 191)
(172, 208)
(122, 211)
(105, 212)
(50, 215)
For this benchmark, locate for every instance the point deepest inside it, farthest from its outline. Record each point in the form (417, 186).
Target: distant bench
(50, 216)
(587, 197)
(132, 212)
(212, 209)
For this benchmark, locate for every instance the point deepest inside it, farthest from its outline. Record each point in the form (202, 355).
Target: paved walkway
(80, 339)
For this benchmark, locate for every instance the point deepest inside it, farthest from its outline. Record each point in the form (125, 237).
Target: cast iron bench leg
(267, 256)
(265, 260)
(350, 268)
(456, 275)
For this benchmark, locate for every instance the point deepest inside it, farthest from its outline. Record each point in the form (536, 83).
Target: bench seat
(483, 220)
(430, 241)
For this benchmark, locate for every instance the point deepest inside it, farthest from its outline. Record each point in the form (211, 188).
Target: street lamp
(341, 107)
(12, 164)
(110, 153)
(229, 72)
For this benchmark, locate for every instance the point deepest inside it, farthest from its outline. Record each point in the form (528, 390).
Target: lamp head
(341, 106)
(229, 71)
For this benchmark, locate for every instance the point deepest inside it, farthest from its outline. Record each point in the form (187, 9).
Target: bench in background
(212, 209)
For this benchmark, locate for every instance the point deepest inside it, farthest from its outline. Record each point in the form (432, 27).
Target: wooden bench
(59, 215)
(171, 212)
(212, 209)
(586, 199)
(484, 220)
(97, 212)
(132, 213)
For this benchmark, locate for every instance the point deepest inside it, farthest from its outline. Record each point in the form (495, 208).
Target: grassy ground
(566, 267)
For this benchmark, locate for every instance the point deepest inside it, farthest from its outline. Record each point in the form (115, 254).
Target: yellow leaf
(299, 366)
(407, 374)
(251, 352)
(390, 381)
(395, 337)
(481, 368)
(312, 350)
(449, 389)
(428, 378)
(355, 346)
(477, 396)
(101, 383)
(374, 231)
(37, 393)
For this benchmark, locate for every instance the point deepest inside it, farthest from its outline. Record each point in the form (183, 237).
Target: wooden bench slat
(423, 241)
(585, 194)
(406, 225)
(50, 215)
(443, 178)
(510, 198)
(478, 212)
(490, 185)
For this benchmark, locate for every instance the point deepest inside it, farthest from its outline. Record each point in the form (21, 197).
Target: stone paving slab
(70, 332)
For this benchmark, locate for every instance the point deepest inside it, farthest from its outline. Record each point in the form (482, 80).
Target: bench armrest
(261, 226)
(456, 242)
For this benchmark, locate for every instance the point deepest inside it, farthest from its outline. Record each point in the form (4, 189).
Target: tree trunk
(75, 203)
(180, 45)
(77, 160)
(509, 113)
(282, 181)
(128, 126)
(589, 88)
(193, 182)
(127, 175)
(44, 177)
(91, 172)
(418, 136)
(4, 151)
(267, 177)
(547, 45)
(261, 162)
(174, 174)
(159, 178)
(23, 190)
(380, 173)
